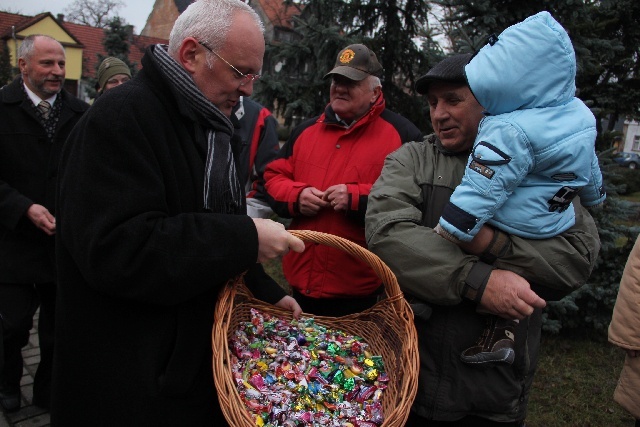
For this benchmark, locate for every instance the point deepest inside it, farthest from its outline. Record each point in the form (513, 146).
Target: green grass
(274, 269)
(632, 197)
(574, 383)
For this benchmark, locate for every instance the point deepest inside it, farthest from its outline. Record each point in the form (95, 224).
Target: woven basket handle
(385, 274)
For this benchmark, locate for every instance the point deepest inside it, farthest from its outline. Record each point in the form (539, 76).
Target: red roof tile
(7, 20)
(11, 24)
(279, 13)
(91, 38)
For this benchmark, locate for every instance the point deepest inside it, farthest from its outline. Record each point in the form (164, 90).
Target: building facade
(82, 43)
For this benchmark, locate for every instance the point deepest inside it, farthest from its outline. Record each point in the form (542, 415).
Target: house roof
(279, 13)
(90, 38)
(274, 13)
(11, 24)
(7, 20)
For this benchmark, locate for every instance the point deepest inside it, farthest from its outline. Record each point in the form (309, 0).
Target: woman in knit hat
(111, 73)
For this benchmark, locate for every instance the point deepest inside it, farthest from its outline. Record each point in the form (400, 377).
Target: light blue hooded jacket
(535, 148)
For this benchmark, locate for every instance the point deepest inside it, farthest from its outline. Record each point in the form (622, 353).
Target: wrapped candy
(298, 373)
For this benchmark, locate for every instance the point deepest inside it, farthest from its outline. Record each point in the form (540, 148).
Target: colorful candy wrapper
(298, 373)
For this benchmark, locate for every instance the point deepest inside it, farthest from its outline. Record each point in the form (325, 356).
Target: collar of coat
(329, 116)
(13, 94)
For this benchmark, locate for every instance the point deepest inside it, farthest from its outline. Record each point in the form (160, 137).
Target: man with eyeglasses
(322, 180)
(152, 223)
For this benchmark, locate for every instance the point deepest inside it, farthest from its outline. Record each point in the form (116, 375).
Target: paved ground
(28, 415)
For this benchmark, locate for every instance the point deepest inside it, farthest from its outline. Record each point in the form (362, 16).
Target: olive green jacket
(405, 203)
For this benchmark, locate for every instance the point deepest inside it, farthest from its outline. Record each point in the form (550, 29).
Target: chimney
(60, 17)
(129, 30)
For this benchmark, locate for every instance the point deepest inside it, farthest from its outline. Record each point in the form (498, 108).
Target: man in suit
(36, 116)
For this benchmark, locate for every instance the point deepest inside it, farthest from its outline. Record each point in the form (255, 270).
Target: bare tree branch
(95, 13)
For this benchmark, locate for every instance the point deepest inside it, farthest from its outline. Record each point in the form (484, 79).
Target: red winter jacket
(322, 152)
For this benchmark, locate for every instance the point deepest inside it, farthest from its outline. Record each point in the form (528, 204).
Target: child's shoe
(495, 346)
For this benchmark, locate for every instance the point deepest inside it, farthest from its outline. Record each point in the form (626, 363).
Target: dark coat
(28, 173)
(140, 264)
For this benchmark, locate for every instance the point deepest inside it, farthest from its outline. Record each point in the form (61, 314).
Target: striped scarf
(222, 192)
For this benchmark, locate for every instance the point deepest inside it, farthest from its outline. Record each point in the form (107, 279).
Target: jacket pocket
(485, 166)
(191, 343)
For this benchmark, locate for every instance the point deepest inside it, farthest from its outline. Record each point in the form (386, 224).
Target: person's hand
(42, 218)
(310, 201)
(509, 295)
(274, 241)
(338, 196)
(289, 303)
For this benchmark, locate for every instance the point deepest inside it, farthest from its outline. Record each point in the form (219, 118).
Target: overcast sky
(135, 12)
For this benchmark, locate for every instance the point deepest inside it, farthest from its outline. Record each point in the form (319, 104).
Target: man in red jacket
(322, 180)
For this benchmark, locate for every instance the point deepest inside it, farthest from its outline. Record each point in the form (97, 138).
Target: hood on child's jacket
(531, 65)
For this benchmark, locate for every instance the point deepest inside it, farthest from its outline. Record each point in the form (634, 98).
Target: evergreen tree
(390, 29)
(117, 39)
(6, 70)
(590, 307)
(611, 79)
(470, 23)
(323, 28)
(605, 36)
(292, 81)
(116, 42)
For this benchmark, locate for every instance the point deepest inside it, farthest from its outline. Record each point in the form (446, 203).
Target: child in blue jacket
(533, 155)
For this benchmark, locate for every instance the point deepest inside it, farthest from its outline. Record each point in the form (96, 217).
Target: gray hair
(374, 82)
(208, 21)
(26, 48)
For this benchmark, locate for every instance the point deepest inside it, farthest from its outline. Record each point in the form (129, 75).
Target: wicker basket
(387, 327)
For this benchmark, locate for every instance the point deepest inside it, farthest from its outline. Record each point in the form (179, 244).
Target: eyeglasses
(244, 78)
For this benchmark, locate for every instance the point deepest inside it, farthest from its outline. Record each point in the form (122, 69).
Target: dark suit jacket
(28, 173)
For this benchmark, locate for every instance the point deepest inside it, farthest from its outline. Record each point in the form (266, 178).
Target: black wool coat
(140, 264)
(28, 173)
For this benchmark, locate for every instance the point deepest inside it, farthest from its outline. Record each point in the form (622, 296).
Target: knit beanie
(110, 67)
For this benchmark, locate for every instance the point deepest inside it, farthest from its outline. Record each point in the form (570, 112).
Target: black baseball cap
(450, 70)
